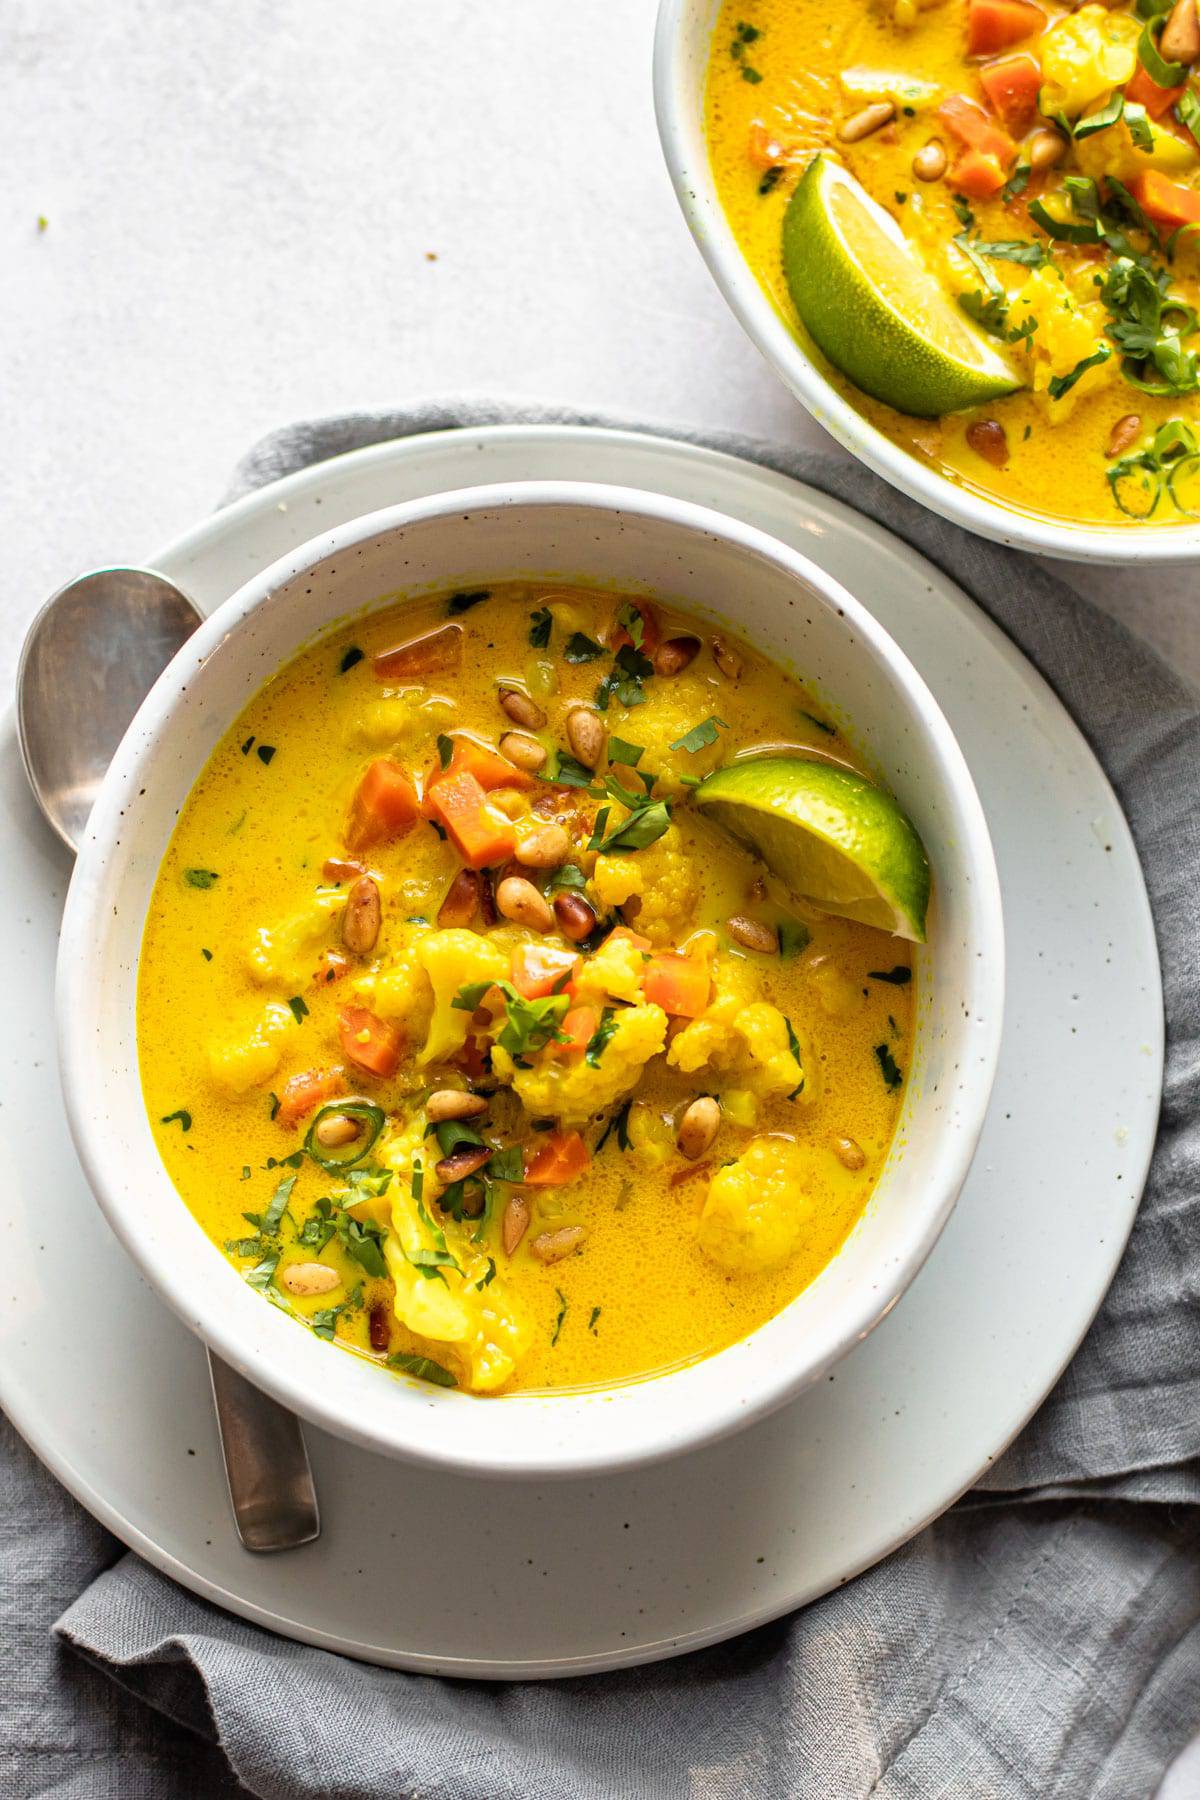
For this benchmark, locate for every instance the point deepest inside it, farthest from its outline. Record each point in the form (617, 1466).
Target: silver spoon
(91, 656)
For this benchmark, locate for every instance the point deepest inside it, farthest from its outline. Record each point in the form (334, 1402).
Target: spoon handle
(266, 1464)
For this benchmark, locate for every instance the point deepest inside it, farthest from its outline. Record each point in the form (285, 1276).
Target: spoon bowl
(91, 656)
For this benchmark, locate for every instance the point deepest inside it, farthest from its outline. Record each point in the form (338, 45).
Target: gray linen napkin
(1048, 1648)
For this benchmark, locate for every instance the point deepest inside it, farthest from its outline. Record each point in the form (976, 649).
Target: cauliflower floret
(756, 1208)
(742, 1035)
(286, 953)
(1113, 152)
(618, 968)
(664, 878)
(572, 1090)
(454, 959)
(240, 1063)
(449, 1307)
(1084, 57)
(1068, 331)
(397, 988)
(400, 720)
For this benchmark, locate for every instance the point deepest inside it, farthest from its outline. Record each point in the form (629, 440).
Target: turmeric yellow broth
(508, 1184)
(1052, 185)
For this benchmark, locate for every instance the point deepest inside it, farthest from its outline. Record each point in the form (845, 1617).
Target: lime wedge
(880, 317)
(831, 835)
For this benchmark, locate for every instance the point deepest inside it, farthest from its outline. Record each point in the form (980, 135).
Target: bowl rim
(679, 113)
(80, 983)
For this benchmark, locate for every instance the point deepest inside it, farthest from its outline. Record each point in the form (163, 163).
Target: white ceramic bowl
(681, 52)
(601, 535)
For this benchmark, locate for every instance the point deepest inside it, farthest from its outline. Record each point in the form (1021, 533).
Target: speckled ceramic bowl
(607, 536)
(681, 53)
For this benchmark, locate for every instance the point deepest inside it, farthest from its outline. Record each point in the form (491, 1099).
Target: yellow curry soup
(1048, 181)
(597, 1107)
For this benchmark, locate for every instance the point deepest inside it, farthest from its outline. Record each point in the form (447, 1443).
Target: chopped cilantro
(700, 736)
(206, 954)
(793, 937)
(595, 1314)
(581, 649)
(601, 1037)
(265, 752)
(299, 1009)
(900, 976)
(624, 680)
(184, 1117)
(619, 1122)
(541, 623)
(200, 878)
(629, 755)
(423, 1367)
(644, 827)
(562, 1313)
(464, 601)
(794, 1047)
(349, 658)
(445, 749)
(887, 1066)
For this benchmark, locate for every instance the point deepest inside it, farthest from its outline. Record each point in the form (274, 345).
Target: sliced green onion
(344, 1156)
(1163, 74)
(1183, 485)
(1100, 121)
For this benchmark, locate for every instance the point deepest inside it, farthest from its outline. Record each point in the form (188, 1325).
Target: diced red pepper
(305, 1092)
(385, 805)
(562, 1157)
(995, 24)
(679, 984)
(540, 969)
(482, 836)
(370, 1043)
(1012, 85)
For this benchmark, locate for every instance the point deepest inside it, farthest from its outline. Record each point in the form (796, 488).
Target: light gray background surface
(262, 209)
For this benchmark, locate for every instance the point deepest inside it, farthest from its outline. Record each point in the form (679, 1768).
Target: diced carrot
(562, 1157)
(1165, 202)
(433, 653)
(622, 933)
(679, 984)
(539, 969)
(385, 805)
(341, 868)
(579, 1027)
(369, 1043)
(1012, 86)
(972, 127)
(976, 175)
(766, 148)
(490, 769)
(1143, 90)
(305, 1092)
(481, 835)
(618, 637)
(995, 24)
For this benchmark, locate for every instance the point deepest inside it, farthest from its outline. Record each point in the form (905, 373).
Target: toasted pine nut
(468, 1159)
(987, 439)
(521, 709)
(726, 658)
(461, 902)
(521, 902)
(524, 751)
(586, 736)
(310, 1278)
(675, 654)
(545, 847)
(698, 1127)
(361, 916)
(862, 124)
(552, 1246)
(752, 935)
(515, 1222)
(929, 164)
(1180, 40)
(1045, 149)
(336, 1129)
(1124, 433)
(574, 917)
(849, 1154)
(453, 1103)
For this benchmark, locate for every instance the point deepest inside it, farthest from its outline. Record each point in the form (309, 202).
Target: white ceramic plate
(576, 1576)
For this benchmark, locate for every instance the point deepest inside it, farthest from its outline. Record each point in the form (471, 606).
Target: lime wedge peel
(831, 835)
(875, 312)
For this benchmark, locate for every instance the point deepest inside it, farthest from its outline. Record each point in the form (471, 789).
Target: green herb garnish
(601, 1037)
(183, 1116)
(299, 1009)
(424, 1368)
(624, 680)
(794, 1047)
(200, 878)
(700, 736)
(464, 601)
(265, 752)
(581, 649)
(888, 1066)
(644, 827)
(900, 976)
(619, 1122)
(541, 623)
(349, 658)
(562, 1313)
(445, 749)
